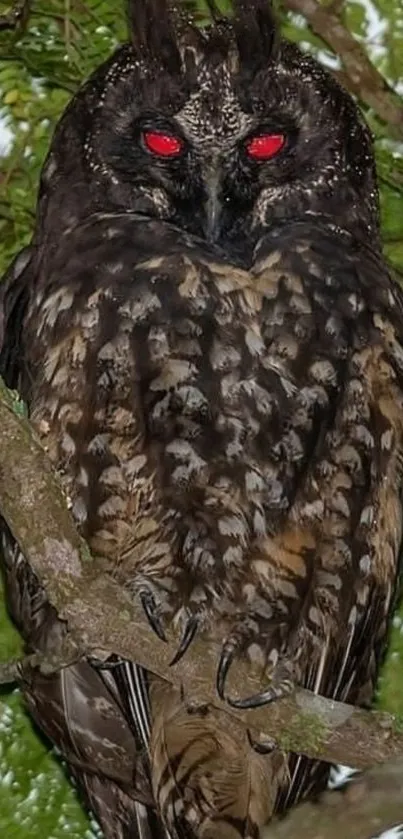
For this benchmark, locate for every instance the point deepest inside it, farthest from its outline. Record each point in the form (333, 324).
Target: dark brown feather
(153, 35)
(226, 418)
(256, 34)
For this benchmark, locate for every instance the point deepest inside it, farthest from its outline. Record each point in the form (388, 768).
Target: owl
(211, 350)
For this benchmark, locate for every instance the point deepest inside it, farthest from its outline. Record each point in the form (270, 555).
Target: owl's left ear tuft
(154, 26)
(256, 34)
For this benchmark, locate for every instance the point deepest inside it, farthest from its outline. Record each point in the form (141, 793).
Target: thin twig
(360, 76)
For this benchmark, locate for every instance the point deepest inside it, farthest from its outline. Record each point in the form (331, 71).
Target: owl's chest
(182, 415)
(233, 370)
(212, 362)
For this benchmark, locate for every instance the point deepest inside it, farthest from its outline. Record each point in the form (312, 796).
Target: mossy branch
(370, 804)
(102, 619)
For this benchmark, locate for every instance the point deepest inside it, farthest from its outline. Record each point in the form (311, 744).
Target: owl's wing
(14, 293)
(346, 505)
(82, 712)
(87, 714)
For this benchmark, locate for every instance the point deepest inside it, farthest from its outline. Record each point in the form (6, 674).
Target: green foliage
(390, 697)
(37, 802)
(40, 69)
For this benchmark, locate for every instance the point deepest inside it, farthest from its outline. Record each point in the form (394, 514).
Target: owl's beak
(212, 205)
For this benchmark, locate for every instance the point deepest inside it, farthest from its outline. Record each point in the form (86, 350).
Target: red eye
(165, 145)
(265, 146)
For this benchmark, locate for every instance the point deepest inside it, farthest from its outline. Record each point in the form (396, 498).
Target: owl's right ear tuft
(256, 34)
(154, 28)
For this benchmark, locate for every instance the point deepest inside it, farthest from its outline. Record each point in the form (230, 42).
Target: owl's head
(222, 130)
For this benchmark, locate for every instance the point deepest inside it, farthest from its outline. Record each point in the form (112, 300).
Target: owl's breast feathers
(232, 436)
(208, 418)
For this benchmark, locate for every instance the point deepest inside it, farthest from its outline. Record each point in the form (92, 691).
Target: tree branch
(369, 804)
(102, 619)
(360, 75)
(17, 16)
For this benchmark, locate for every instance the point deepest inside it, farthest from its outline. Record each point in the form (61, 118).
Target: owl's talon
(150, 608)
(264, 748)
(224, 664)
(277, 690)
(271, 694)
(189, 633)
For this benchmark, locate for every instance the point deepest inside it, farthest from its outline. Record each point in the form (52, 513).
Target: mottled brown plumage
(227, 789)
(211, 349)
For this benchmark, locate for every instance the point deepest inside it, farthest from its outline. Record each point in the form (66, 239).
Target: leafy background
(40, 68)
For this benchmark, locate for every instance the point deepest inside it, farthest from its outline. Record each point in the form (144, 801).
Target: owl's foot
(263, 747)
(152, 613)
(155, 601)
(191, 626)
(281, 683)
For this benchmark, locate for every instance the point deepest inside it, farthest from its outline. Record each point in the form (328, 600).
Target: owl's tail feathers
(118, 814)
(125, 811)
(207, 780)
(137, 819)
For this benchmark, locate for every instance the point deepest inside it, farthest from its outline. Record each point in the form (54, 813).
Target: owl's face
(215, 139)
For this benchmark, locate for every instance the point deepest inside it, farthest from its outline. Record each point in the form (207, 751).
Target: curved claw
(189, 633)
(272, 694)
(264, 748)
(150, 607)
(224, 664)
